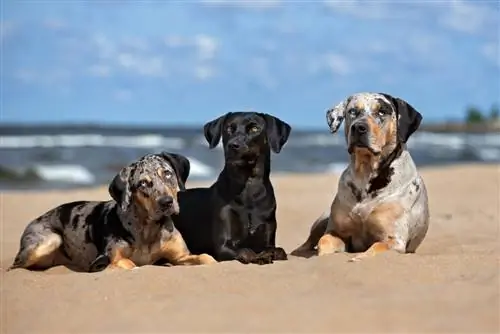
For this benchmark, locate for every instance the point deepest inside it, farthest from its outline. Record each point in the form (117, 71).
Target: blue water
(36, 157)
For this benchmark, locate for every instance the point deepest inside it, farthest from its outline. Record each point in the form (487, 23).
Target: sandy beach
(450, 285)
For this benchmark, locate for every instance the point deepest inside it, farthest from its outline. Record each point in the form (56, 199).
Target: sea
(70, 156)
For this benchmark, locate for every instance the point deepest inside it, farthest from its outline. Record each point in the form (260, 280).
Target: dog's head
(375, 122)
(247, 135)
(149, 186)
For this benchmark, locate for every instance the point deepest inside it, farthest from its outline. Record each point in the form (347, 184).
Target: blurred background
(88, 86)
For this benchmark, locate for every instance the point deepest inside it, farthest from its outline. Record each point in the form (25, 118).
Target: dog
(235, 218)
(382, 202)
(135, 228)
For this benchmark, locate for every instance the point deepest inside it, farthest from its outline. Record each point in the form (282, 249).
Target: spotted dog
(381, 203)
(133, 229)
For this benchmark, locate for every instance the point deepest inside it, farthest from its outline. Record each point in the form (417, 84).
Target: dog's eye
(168, 174)
(352, 112)
(230, 129)
(382, 112)
(143, 184)
(253, 129)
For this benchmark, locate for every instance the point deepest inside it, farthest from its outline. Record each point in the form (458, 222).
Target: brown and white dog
(381, 203)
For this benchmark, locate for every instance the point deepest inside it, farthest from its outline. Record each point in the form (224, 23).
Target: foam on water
(64, 173)
(91, 140)
(199, 169)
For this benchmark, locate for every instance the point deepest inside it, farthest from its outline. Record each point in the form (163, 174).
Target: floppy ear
(181, 166)
(335, 116)
(213, 130)
(408, 117)
(118, 187)
(278, 132)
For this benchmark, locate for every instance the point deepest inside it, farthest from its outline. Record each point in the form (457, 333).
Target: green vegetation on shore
(475, 121)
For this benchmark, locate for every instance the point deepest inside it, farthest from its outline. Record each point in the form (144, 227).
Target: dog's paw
(264, 258)
(99, 264)
(279, 254)
(246, 256)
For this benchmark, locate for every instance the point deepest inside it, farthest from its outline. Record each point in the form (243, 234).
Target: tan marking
(375, 107)
(329, 244)
(345, 226)
(176, 252)
(146, 205)
(364, 162)
(360, 105)
(383, 218)
(390, 139)
(45, 253)
(147, 178)
(171, 191)
(376, 134)
(123, 264)
(376, 248)
(119, 258)
(159, 171)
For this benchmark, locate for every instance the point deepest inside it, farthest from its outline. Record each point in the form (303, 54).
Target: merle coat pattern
(133, 229)
(381, 203)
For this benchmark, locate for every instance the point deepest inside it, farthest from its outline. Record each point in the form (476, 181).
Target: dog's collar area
(384, 171)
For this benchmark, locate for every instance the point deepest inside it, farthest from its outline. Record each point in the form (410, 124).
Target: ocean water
(43, 157)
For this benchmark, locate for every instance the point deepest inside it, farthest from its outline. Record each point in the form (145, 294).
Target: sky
(187, 62)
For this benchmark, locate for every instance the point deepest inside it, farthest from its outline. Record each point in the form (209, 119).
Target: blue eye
(353, 112)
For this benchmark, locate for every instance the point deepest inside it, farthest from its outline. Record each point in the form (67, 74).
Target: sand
(450, 285)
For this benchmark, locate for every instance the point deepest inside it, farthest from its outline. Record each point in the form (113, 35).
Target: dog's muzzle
(167, 204)
(360, 137)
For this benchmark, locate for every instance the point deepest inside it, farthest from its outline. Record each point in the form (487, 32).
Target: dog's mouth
(360, 146)
(242, 159)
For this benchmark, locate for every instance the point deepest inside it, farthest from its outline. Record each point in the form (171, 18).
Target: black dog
(235, 219)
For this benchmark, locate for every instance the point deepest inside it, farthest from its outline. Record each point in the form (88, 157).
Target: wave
(50, 173)
(64, 173)
(78, 174)
(199, 169)
(91, 140)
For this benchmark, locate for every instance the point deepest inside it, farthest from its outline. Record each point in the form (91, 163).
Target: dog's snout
(165, 201)
(234, 145)
(359, 128)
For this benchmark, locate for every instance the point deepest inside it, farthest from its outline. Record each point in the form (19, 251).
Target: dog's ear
(181, 166)
(278, 132)
(213, 130)
(335, 116)
(408, 117)
(118, 186)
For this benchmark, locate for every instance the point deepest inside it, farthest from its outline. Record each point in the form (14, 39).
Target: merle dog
(133, 229)
(235, 218)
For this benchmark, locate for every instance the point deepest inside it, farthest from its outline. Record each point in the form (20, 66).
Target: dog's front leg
(276, 253)
(175, 250)
(116, 256)
(388, 225)
(243, 255)
(376, 248)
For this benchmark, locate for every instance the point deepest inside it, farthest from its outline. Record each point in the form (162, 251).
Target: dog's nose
(165, 201)
(360, 128)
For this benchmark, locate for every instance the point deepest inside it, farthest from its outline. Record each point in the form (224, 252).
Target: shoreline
(207, 181)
